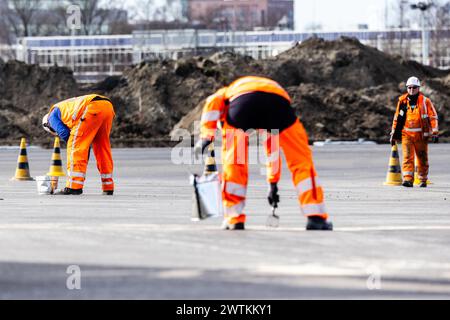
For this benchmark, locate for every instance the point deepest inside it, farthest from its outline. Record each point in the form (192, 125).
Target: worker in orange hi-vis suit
(261, 103)
(82, 122)
(415, 122)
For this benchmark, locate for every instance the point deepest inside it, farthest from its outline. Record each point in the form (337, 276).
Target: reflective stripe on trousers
(307, 185)
(313, 209)
(235, 189)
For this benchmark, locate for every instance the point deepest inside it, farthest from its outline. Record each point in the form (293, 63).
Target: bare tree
(5, 34)
(6, 40)
(144, 10)
(401, 16)
(20, 15)
(151, 14)
(439, 21)
(92, 16)
(95, 17)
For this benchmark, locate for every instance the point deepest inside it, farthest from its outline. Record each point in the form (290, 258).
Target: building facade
(92, 58)
(242, 14)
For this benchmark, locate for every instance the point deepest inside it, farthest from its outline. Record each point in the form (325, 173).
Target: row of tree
(24, 18)
(437, 20)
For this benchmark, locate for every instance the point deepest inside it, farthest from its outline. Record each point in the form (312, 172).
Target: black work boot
(318, 223)
(229, 226)
(69, 191)
(108, 193)
(423, 184)
(408, 184)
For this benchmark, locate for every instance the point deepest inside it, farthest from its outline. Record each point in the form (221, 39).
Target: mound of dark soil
(340, 89)
(26, 93)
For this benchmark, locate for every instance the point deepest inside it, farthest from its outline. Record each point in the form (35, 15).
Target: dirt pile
(345, 90)
(340, 89)
(152, 97)
(26, 92)
(342, 63)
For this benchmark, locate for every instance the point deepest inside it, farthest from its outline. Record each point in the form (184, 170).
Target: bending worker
(415, 122)
(82, 122)
(261, 103)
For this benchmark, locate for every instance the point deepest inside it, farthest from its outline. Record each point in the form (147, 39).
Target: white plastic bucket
(207, 197)
(46, 184)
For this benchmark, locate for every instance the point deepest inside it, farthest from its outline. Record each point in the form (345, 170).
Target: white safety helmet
(46, 125)
(413, 81)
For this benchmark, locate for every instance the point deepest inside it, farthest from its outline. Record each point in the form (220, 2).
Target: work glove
(435, 138)
(273, 196)
(200, 147)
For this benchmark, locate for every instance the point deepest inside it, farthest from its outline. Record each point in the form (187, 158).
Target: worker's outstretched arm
(54, 119)
(273, 163)
(213, 111)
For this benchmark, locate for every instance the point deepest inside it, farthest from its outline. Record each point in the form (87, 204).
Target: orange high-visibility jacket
(215, 108)
(73, 109)
(423, 119)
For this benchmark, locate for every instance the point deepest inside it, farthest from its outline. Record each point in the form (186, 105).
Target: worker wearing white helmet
(415, 122)
(47, 127)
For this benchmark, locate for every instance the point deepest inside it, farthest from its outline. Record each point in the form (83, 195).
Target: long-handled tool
(273, 220)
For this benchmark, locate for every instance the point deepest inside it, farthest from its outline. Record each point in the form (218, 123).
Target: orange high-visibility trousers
(294, 143)
(94, 129)
(235, 173)
(415, 145)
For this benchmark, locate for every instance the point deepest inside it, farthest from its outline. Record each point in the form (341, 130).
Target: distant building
(92, 58)
(242, 14)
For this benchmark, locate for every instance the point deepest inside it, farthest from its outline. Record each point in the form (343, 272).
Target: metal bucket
(46, 184)
(207, 197)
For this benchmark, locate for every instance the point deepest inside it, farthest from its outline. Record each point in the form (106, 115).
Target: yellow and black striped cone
(210, 162)
(23, 169)
(394, 175)
(56, 169)
(416, 174)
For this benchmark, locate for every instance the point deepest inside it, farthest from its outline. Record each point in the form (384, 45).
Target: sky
(334, 15)
(339, 14)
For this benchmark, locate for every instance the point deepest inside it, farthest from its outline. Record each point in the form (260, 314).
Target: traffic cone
(210, 162)
(56, 169)
(394, 175)
(23, 169)
(416, 174)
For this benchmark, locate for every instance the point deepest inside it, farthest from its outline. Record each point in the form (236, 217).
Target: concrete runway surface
(388, 243)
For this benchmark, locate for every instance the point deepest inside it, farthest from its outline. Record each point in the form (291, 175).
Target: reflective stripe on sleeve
(263, 81)
(210, 116)
(273, 157)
